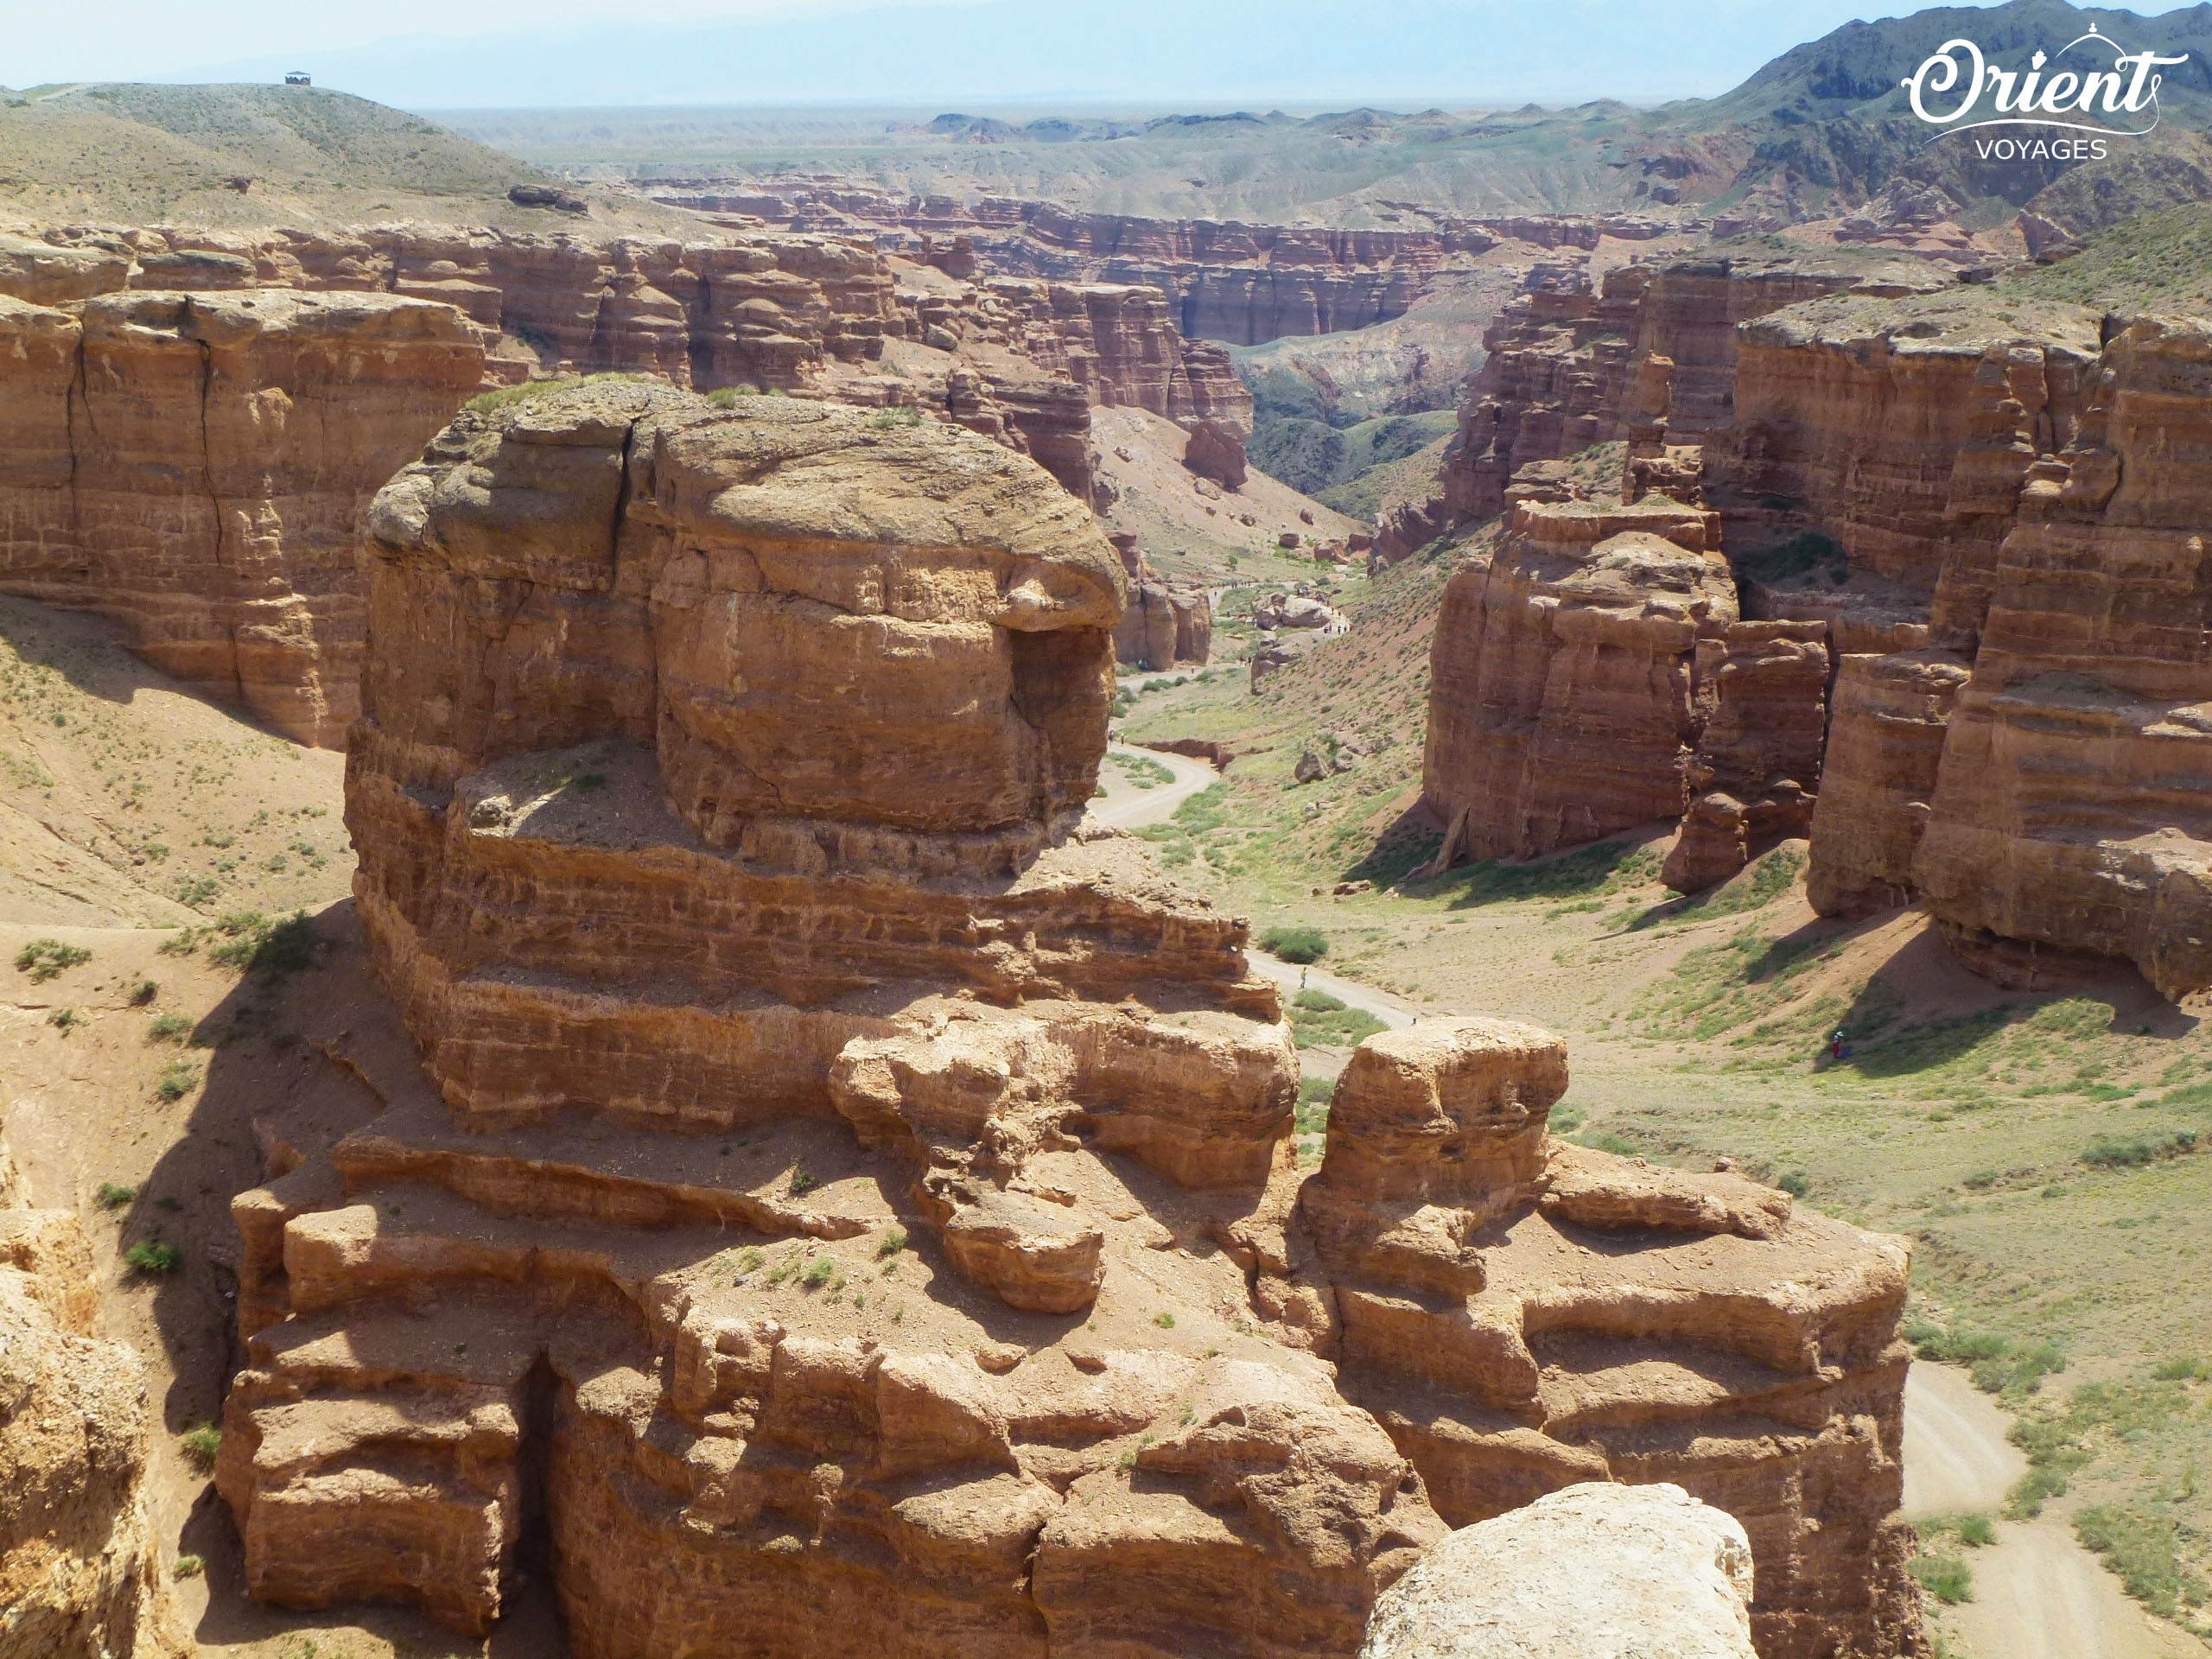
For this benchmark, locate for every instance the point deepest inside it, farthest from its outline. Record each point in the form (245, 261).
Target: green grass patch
(2146, 1552)
(1296, 945)
(2138, 1151)
(1319, 1021)
(154, 1257)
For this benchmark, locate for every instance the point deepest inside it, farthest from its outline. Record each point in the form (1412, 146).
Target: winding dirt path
(2037, 1593)
(1127, 807)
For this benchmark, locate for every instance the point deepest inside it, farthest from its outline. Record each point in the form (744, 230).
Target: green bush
(1296, 945)
(200, 1444)
(893, 1242)
(169, 1028)
(177, 1080)
(817, 1272)
(2138, 1151)
(2145, 1550)
(155, 1257)
(188, 1567)
(113, 1195)
(801, 1180)
(44, 959)
(1796, 1183)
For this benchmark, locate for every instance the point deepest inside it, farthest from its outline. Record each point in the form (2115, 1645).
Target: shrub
(817, 1272)
(113, 1195)
(64, 1020)
(802, 1181)
(1977, 1530)
(155, 1257)
(1165, 1321)
(892, 1243)
(1796, 1183)
(200, 1444)
(43, 959)
(1947, 1578)
(188, 1567)
(2181, 1369)
(2137, 1151)
(263, 945)
(143, 992)
(177, 1080)
(169, 1028)
(1296, 945)
(1318, 1001)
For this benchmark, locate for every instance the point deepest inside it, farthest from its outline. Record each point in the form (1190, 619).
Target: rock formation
(2070, 815)
(1524, 1316)
(1652, 346)
(79, 1569)
(842, 1204)
(1163, 623)
(1593, 673)
(195, 465)
(1593, 1572)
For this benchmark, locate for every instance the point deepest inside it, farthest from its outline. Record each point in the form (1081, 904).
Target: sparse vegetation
(169, 1028)
(113, 1195)
(892, 1243)
(154, 1257)
(200, 1443)
(45, 959)
(177, 1080)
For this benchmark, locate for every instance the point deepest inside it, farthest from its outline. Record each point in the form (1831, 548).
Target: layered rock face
(1902, 430)
(841, 1205)
(1164, 623)
(714, 790)
(1524, 1316)
(196, 464)
(79, 1570)
(1593, 673)
(2069, 816)
(769, 312)
(1652, 348)
(1595, 1571)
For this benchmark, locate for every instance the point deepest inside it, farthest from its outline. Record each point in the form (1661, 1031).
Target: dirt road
(1127, 807)
(1387, 1008)
(2037, 1593)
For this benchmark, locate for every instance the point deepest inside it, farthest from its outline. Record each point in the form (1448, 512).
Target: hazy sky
(427, 53)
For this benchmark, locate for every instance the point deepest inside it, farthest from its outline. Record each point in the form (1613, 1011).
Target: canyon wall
(842, 1203)
(199, 418)
(2070, 815)
(1225, 280)
(195, 465)
(80, 1571)
(1594, 672)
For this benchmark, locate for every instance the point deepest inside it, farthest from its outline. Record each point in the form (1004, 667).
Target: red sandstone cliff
(844, 1206)
(195, 464)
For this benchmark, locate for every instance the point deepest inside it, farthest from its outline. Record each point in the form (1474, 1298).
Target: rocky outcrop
(1594, 1572)
(841, 1202)
(2068, 817)
(1886, 741)
(196, 464)
(79, 1569)
(618, 636)
(1525, 1317)
(1650, 351)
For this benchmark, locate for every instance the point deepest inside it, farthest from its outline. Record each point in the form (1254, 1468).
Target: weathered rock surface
(1525, 1317)
(79, 1570)
(1578, 673)
(1593, 1572)
(195, 465)
(838, 1205)
(2069, 813)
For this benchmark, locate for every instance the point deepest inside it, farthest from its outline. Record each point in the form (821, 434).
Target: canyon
(942, 1283)
(1893, 461)
(203, 416)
